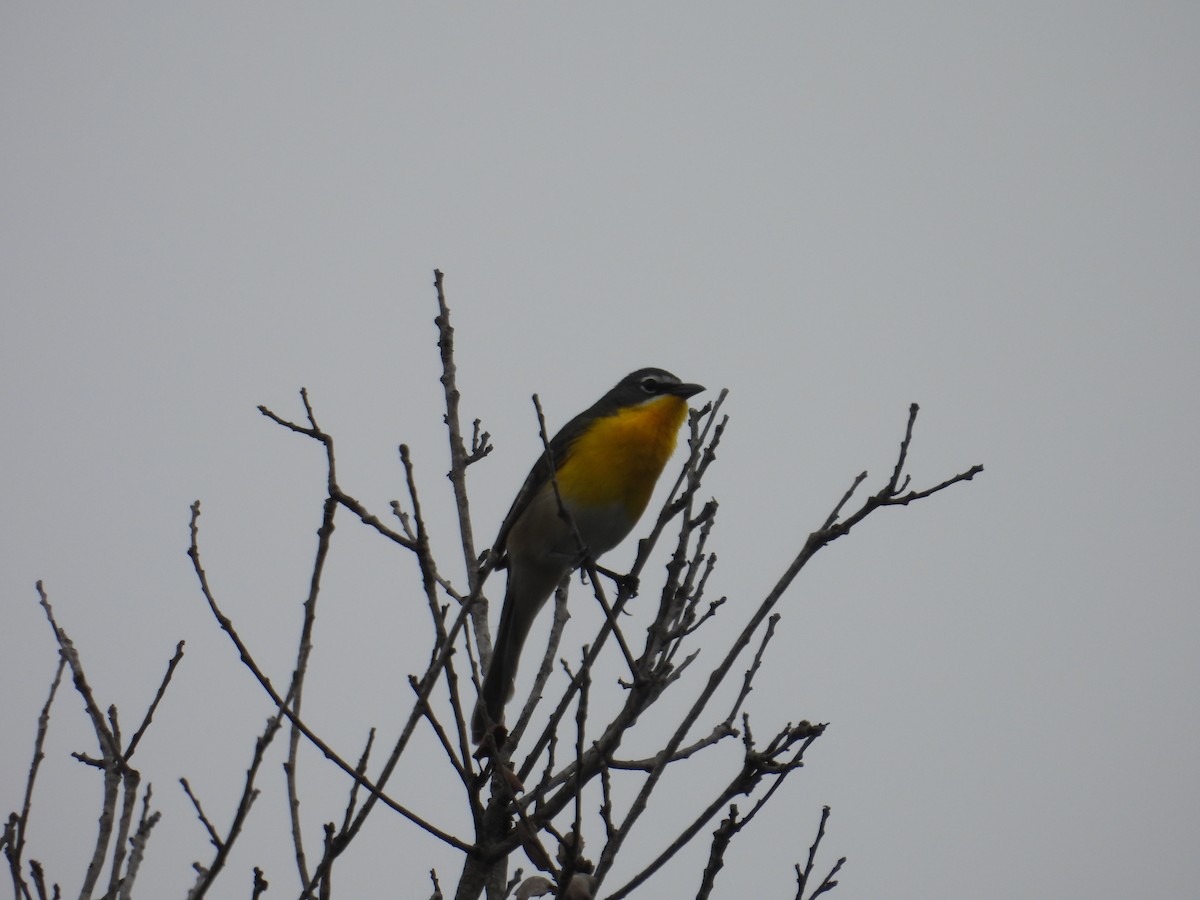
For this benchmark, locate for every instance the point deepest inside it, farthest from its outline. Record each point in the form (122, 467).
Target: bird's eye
(650, 385)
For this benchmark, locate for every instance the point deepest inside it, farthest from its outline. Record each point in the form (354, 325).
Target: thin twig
(305, 647)
(803, 875)
(162, 689)
(719, 733)
(361, 769)
(249, 794)
(370, 519)
(747, 682)
(260, 884)
(729, 826)
(458, 451)
(19, 825)
(440, 732)
(111, 761)
(204, 820)
(812, 851)
(137, 843)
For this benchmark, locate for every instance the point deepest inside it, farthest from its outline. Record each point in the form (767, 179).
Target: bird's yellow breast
(618, 458)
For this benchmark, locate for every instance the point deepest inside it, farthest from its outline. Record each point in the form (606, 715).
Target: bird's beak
(686, 390)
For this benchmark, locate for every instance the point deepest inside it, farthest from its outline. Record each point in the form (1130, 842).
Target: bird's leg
(626, 583)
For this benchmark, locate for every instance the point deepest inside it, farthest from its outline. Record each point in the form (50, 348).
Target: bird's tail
(497, 688)
(528, 590)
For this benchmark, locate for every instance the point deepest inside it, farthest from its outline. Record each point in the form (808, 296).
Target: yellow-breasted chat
(605, 462)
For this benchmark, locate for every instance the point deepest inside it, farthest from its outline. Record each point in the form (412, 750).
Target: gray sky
(832, 210)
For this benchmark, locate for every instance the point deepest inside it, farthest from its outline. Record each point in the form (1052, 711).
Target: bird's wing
(560, 450)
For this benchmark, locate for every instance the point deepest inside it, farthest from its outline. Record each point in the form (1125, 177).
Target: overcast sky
(833, 210)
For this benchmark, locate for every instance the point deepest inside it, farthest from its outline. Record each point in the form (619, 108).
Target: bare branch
(304, 651)
(370, 519)
(112, 784)
(103, 735)
(481, 444)
(131, 781)
(204, 820)
(443, 738)
(837, 510)
(905, 499)
(112, 763)
(902, 457)
(804, 875)
(309, 431)
(361, 769)
(245, 802)
(754, 666)
(18, 826)
(812, 851)
(162, 689)
(716, 855)
(260, 884)
(327, 878)
(459, 458)
(719, 733)
(293, 794)
(137, 851)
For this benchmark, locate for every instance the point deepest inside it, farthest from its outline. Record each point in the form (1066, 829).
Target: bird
(605, 463)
